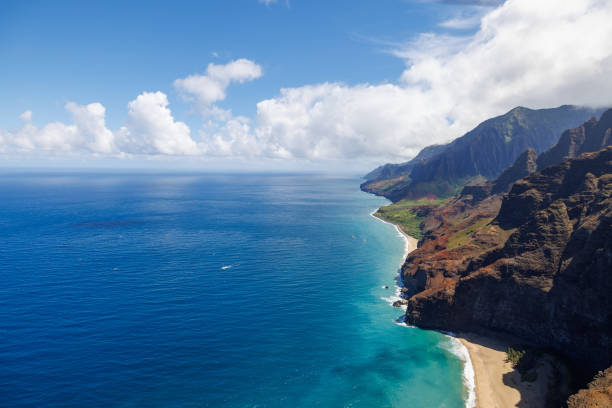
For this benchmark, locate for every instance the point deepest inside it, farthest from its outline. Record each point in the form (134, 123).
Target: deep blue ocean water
(206, 291)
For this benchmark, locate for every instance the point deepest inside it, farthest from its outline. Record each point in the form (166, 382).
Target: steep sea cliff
(457, 347)
(532, 264)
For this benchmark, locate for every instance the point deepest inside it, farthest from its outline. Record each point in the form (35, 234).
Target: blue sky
(110, 51)
(371, 80)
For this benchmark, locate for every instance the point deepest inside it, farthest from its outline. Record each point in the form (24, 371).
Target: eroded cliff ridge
(589, 137)
(540, 268)
(482, 153)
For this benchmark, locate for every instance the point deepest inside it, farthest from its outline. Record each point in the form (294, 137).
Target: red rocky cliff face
(598, 393)
(540, 270)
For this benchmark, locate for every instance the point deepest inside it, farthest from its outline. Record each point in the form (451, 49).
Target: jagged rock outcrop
(591, 136)
(540, 270)
(484, 152)
(522, 167)
(598, 393)
(478, 191)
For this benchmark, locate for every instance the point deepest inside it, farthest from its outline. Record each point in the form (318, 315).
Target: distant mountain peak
(485, 151)
(592, 135)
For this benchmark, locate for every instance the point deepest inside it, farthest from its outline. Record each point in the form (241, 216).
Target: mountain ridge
(532, 261)
(482, 153)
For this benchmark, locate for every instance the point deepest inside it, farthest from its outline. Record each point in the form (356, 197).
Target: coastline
(459, 348)
(497, 383)
(489, 380)
(410, 243)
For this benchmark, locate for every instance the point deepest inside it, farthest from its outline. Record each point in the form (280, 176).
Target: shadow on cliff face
(546, 385)
(552, 385)
(549, 283)
(543, 380)
(488, 340)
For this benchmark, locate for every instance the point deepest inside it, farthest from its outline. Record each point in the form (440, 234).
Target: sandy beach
(498, 385)
(411, 242)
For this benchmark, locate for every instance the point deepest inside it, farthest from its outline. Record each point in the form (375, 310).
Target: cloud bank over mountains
(535, 54)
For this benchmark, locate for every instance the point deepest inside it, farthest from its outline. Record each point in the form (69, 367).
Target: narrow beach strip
(498, 384)
(458, 347)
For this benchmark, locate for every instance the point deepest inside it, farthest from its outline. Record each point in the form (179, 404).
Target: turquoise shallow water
(206, 291)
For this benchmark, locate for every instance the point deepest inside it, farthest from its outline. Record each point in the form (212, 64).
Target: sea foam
(400, 233)
(457, 348)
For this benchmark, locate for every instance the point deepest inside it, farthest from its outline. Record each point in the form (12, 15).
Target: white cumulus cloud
(27, 115)
(535, 54)
(151, 128)
(88, 133)
(90, 122)
(211, 87)
(532, 53)
(337, 121)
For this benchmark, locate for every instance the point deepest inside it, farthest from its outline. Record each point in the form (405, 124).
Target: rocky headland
(540, 269)
(528, 256)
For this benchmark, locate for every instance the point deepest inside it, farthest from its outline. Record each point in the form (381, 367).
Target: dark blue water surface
(206, 291)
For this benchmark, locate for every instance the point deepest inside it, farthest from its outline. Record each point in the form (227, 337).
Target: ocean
(192, 290)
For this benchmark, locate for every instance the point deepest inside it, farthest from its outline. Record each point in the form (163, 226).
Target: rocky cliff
(598, 393)
(390, 171)
(522, 167)
(541, 269)
(591, 136)
(483, 153)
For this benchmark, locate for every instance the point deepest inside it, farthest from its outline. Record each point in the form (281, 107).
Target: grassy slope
(404, 214)
(465, 235)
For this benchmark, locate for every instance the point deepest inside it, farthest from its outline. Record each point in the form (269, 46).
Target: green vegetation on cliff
(466, 234)
(534, 262)
(525, 361)
(539, 271)
(409, 214)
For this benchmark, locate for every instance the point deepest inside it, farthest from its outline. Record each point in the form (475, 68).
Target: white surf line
(407, 249)
(468, 376)
(458, 348)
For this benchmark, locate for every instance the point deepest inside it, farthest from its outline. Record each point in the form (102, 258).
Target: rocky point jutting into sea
(528, 255)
